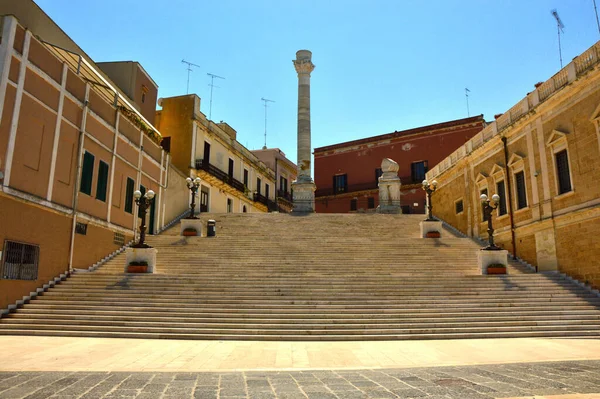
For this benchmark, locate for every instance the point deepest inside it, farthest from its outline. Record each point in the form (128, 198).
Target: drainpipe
(509, 196)
(78, 175)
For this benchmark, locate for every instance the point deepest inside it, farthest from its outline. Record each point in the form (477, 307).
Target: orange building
(74, 145)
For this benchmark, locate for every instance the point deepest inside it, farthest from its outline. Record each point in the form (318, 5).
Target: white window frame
(516, 163)
(498, 175)
(558, 142)
(482, 184)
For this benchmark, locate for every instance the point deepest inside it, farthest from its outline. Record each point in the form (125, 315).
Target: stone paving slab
(548, 380)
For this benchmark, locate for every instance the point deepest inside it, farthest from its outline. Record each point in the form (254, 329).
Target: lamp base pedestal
(429, 226)
(147, 255)
(195, 224)
(488, 257)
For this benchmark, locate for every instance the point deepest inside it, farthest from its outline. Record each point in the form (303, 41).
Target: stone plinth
(304, 196)
(487, 257)
(141, 255)
(430, 225)
(195, 224)
(389, 188)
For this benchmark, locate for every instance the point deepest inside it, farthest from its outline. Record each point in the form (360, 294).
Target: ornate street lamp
(193, 185)
(488, 207)
(429, 189)
(144, 203)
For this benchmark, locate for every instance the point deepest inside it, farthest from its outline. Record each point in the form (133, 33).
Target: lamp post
(429, 189)
(193, 185)
(488, 207)
(143, 203)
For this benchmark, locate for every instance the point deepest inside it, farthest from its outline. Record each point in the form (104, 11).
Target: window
(258, 182)
(246, 177)
(283, 184)
(20, 261)
(502, 194)
(102, 183)
(353, 202)
(378, 173)
(340, 183)
(87, 174)
(81, 228)
(267, 189)
(129, 195)
(459, 206)
(204, 199)
(520, 186)
(143, 98)
(562, 170)
(229, 205)
(418, 170)
(230, 173)
(371, 202)
(484, 191)
(119, 239)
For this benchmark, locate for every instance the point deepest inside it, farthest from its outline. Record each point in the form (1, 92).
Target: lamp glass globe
(150, 194)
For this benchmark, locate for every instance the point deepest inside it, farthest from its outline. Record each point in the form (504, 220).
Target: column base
(304, 196)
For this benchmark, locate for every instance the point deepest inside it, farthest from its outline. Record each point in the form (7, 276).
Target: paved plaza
(484, 381)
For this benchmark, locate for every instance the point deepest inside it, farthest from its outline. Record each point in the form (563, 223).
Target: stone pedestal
(141, 255)
(195, 224)
(430, 225)
(304, 196)
(487, 257)
(389, 188)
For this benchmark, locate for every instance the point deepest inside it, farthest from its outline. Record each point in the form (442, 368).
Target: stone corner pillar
(304, 186)
(389, 188)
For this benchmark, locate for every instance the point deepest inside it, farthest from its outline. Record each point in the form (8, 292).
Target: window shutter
(102, 184)
(129, 196)
(87, 174)
(562, 168)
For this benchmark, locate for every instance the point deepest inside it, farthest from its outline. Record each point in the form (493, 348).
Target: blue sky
(381, 65)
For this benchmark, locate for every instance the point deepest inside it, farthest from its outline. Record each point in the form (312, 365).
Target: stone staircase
(314, 277)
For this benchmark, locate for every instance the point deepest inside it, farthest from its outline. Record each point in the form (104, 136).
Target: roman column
(304, 187)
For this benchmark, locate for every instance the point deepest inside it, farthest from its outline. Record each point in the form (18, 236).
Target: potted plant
(432, 234)
(190, 232)
(496, 268)
(137, 267)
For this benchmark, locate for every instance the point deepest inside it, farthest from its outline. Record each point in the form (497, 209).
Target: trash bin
(211, 228)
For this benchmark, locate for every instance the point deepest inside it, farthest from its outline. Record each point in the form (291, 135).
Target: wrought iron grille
(20, 261)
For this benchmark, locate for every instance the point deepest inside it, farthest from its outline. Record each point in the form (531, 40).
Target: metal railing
(322, 192)
(20, 261)
(219, 174)
(271, 205)
(285, 196)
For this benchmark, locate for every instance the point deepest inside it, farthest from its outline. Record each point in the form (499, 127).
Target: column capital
(303, 66)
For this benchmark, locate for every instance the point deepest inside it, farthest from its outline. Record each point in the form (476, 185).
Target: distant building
(285, 173)
(73, 149)
(346, 174)
(233, 178)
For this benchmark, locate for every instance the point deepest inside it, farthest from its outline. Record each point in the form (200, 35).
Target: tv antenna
(559, 27)
(266, 100)
(467, 91)
(211, 84)
(596, 11)
(189, 69)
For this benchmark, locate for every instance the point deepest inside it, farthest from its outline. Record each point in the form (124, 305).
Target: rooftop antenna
(266, 100)
(467, 91)
(596, 11)
(189, 69)
(559, 26)
(212, 80)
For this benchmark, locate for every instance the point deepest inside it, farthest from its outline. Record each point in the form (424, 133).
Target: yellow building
(233, 179)
(285, 173)
(542, 157)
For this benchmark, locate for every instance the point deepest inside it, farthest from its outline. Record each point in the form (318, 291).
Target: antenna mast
(212, 80)
(596, 11)
(559, 26)
(189, 69)
(266, 100)
(467, 91)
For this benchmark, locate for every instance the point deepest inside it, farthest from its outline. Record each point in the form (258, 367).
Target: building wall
(359, 160)
(553, 231)
(50, 117)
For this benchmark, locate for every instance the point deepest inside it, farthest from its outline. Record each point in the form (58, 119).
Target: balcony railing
(352, 188)
(271, 205)
(285, 196)
(219, 174)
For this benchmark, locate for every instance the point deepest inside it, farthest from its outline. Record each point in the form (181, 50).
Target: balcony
(271, 205)
(284, 195)
(352, 188)
(219, 174)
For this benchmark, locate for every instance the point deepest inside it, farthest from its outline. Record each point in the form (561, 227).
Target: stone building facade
(233, 178)
(347, 174)
(73, 148)
(543, 158)
(285, 173)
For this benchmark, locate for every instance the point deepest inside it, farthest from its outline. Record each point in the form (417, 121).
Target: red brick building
(346, 174)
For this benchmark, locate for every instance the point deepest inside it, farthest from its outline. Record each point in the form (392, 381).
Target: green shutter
(87, 174)
(129, 196)
(102, 184)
